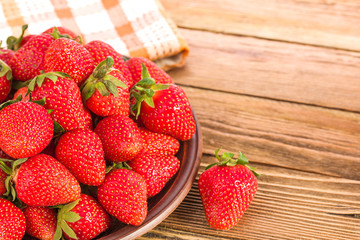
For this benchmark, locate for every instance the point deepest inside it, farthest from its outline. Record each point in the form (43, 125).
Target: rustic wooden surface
(279, 81)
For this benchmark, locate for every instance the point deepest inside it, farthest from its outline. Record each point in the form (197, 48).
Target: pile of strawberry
(77, 116)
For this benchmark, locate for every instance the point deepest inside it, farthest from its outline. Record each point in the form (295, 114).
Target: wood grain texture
(295, 136)
(287, 205)
(331, 23)
(269, 69)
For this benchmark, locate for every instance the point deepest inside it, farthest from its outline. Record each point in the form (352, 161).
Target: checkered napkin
(132, 27)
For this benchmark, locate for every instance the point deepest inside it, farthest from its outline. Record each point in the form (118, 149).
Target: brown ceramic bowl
(165, 202)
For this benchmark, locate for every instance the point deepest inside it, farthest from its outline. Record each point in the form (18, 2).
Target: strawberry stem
(13, 43)
(227, 159)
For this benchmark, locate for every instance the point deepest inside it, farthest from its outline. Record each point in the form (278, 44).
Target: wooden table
(279, 81)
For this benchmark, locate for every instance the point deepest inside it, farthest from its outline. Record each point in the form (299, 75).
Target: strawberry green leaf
(5, 167)
(150, 102)
(7, 185)
(58, 128)
(9, 76)
(88, 90)
(69, 206)
(58, 232)
(32, 83)
(13, 43)
(158, 87)
(116, 81)
(65, 227)
(111, 87)
(144, 72)
(109, 62)
(71, 217)
(18, 162)
(242, 159)
(102, 89)
(41, 102)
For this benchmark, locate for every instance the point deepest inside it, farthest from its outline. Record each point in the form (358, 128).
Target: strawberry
(40, 222)
(43, 181)
(68, 56)
(26, 128)
(28, 61)
(93, 219)
(5, 80)
(22, 91)
(123, 195)
(105, 93)
(135, 66)
(158, 143)
(163, 108)
(156, 170)
(101, 50)
(81, 151)
(120, 137)
(63, 97)
(12, 221)
(6, 55)
(227, 189)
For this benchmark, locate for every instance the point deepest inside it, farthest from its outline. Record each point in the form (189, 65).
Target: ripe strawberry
(12, 221)
(62, 95)
(101, 50)
(105, 93)
(26, 128)
(43, 181)
(135, 67)
(64, 31)
(28, 61)
(40, 222)
(227, 189)
(163, 108)
(5, 80)
(120, 137)
(68, 56)
(6, 55)
(158, 143)
(156, 170)
(81, 151)
(123, 195)
(93, 219)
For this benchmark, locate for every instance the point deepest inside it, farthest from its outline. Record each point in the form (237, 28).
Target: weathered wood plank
(289, 204)
(332, 23)
(269, 69)
(307, 138)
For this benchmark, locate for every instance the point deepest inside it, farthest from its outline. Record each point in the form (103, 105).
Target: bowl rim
(172, 198)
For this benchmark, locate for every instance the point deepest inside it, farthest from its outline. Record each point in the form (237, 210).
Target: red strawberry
(6, 55)
(123, 195)
(22, 91)
(81, 151)
(163, 108)
(5, 80)
(40, 222)
(156, 170)
(63, 31)
(68, 56)
(12, 221)
(105, 93)
(101, 50)
(227, 189)
(28, 61)
(120, 137)
(93, 219)
(62, 95)
(26, 128)
(135, 67)
(43, 181)
(159, 144)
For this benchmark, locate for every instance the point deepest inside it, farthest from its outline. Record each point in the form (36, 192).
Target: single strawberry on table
(227, 189)
(163, 108)
(105, 92)
(155, 169)
(12, 221)
(123, 195)
(120, 137)
(40, 222)
(26, 128)
(81, 152)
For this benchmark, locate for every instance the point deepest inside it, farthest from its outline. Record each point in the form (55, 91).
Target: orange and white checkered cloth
(132, 27)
